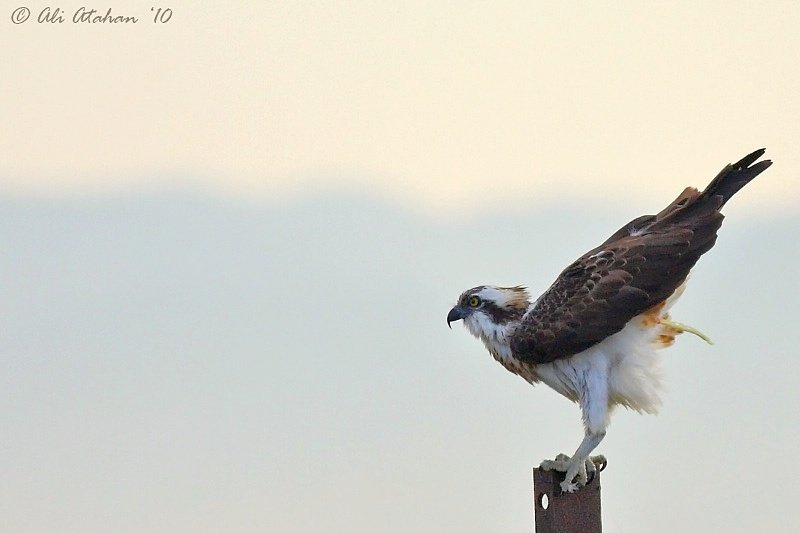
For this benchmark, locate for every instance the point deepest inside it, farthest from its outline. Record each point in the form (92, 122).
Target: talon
(568, 487)
(576, 473)
(600, 462)
(582, 477)
(591, 470)
(559, 464)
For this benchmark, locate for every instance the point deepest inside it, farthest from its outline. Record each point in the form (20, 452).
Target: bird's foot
(559, 464)
(577, 473)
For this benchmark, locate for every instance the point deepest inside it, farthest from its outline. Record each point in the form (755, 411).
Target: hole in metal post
(543, 501)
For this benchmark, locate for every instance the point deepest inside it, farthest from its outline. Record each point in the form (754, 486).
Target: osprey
(593, 335)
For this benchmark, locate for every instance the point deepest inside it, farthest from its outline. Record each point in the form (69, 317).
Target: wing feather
(636, 268)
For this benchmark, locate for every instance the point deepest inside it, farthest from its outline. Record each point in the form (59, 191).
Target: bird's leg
(581, 463)
(594, 405)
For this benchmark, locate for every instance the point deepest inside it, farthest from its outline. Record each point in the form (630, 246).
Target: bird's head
(486, 310)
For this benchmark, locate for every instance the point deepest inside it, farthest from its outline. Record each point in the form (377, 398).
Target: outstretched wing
(638, 267)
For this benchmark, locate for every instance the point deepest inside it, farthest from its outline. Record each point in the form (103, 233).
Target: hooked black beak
(456, 313)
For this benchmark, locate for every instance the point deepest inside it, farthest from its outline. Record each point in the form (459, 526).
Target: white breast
(629, 360)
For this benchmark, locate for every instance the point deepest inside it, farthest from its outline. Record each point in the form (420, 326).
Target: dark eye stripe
(501, 315)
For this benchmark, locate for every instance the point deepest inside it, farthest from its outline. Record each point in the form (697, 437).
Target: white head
(491, 313)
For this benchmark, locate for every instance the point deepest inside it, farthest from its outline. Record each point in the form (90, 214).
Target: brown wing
(638, 267)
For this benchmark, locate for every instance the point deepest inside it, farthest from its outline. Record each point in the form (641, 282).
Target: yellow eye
(474, 301)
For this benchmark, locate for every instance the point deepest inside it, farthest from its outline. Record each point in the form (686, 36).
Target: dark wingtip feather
(749, 158)
(735, 176)
(760, 167)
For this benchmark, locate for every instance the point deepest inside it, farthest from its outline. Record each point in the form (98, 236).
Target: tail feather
(735, 176)
(700, 213)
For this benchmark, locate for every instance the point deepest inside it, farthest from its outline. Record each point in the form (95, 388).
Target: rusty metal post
(559, 512)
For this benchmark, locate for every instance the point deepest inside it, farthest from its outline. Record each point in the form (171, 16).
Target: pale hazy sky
(436, 103)
(229, 243)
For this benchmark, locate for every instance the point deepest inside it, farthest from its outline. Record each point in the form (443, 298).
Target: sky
(230, 242)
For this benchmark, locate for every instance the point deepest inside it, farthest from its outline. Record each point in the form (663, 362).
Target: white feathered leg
(594, 406)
